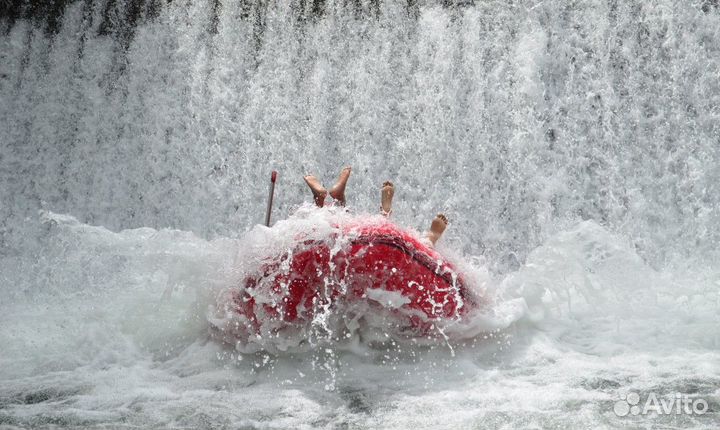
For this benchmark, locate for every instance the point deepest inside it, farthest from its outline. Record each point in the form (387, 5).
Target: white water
(574, 146)
(118, 335)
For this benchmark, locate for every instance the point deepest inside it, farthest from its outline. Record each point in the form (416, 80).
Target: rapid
(575, 147)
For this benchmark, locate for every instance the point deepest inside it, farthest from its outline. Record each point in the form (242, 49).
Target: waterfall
(516, 118)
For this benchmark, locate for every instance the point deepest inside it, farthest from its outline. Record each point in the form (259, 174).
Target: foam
(116, 332)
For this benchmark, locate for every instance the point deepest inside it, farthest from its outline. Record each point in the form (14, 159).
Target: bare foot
(319, 192)
(386, 196)
(439, 223)
(338, 190)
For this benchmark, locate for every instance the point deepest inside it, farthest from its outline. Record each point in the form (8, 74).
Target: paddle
(273, 178)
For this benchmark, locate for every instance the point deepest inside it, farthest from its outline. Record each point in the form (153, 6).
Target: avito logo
(677, 404)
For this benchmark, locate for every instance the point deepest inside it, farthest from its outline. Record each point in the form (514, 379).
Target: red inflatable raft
(369, 269)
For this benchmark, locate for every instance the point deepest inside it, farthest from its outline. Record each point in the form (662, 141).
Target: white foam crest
(591, 277)
(87, 291)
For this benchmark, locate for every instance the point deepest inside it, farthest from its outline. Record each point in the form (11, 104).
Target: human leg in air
(437, 227)
(386, 196)
(319, 192)
(338, 190)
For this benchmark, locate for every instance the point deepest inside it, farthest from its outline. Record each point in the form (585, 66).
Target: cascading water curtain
(516, 118)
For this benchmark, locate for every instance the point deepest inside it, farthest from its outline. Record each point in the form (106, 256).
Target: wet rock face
(118, 16)
(48, 11)
(122, 16)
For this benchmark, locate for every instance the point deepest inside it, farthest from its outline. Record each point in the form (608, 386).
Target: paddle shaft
(273, 178)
